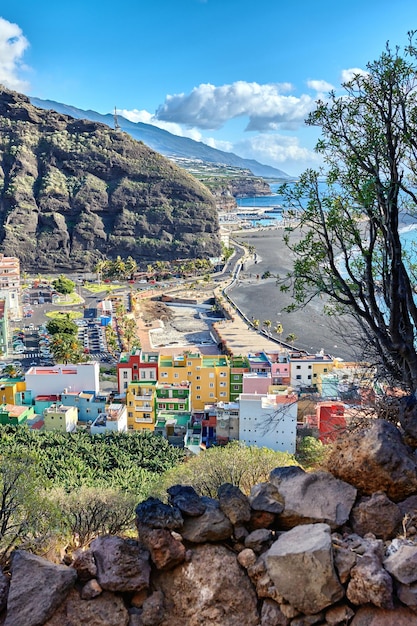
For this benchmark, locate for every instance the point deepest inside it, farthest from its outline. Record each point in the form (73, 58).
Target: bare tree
(350, 250)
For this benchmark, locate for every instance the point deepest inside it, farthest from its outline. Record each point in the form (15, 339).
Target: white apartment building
(59, 379)
(268, 420)
(10, 284)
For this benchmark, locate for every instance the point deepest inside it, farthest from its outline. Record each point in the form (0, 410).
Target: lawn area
(72, 315)
(69, 299)
(98, 288)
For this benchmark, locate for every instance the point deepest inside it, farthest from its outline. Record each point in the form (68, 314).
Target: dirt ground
(175, 326)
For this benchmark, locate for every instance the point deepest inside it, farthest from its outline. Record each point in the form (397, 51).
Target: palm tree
(130, 332)
(279, 329)
(267, 324)
(291, 338)
(66, 349)
(131, 267)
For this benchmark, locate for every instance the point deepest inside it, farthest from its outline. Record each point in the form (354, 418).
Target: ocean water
(408, 231)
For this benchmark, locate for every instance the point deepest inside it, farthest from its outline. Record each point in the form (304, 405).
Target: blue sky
(239, 75)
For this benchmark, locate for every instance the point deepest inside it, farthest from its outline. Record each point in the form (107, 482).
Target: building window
(211, 385)
(211, 375)
(235, 388)
(176, 375)
(198, 377)
(135, 367)
(130, 414)
(124, 374)
(325, 369)
(164, 374)
(181, 407)
(198, 387)
(222, 374)
(298, 377)
(142, 375)
(298, 367)
(198, 397)
(222, 394)
(135, 376)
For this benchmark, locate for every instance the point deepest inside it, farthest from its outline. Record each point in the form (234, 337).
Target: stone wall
(300, 549)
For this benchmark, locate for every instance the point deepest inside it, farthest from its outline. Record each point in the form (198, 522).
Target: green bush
(236, 463)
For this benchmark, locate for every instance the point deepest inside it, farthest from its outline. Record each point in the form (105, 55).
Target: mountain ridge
(166, 143)
(73, 191)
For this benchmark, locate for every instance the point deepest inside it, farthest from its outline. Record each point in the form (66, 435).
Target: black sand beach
(262, 299)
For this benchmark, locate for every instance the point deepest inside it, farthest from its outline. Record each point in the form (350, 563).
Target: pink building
(257, 382)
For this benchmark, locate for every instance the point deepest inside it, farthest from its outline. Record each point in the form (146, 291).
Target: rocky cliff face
(73, 190)
(300, 549)
(226, 190)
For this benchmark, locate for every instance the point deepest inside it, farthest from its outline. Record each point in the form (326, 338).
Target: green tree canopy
(350, 250)
(63, 285)
(61, 327)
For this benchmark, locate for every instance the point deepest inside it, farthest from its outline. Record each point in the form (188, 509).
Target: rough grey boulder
(30, 573)
(105, 610)
(402, 564)
(234, 503)
(300, 563)
(213, 525)
(121, 565)
(186, 499)
(312, 497)
(375, 459)
(376, 514)
(266, 497)
(211, 588)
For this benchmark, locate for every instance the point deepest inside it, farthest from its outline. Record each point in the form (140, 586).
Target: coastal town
(196, 371)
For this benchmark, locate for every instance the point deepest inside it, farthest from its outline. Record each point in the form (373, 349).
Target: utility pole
(116, 123)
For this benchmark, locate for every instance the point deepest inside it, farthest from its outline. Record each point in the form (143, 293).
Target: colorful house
(140, 404)
(13, 391)
(61, 418)
(238, 366)
(113, 419)
(89, 404)
(209, 376)
(305, 369)
(136, 366)
(11, 414)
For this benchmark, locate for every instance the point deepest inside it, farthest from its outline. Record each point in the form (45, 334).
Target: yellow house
(209, 376)
(10, 390)
(61, 418)
(140, 403)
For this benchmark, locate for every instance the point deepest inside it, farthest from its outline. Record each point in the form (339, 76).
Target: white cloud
(12, 47)
(349, 74)
(279, 151)
(210, 107)
(321, 86)
(145, 117)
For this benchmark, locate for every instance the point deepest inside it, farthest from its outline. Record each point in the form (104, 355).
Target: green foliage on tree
(28, 518)
(66, 349)
(310, 452)
(61, 327)
(350, 251)
(91, 511)
(236, 463)
(63, 285)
